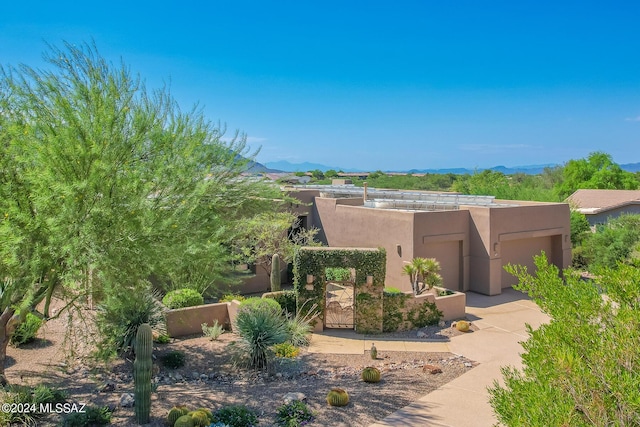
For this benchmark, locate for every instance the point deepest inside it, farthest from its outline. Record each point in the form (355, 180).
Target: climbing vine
(312, 262)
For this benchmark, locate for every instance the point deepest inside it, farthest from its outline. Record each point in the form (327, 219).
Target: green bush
(236, 416)
(286, 299)
(390, 290)
(260, 327)
(214, 331)
(118, 319)
(337, 274)
(231, 297)
(173, 359)
(27, 396)
(181, 298)
(424, 314)
(256, 303)
(27, 330)
(294, 414)
(286, 350)
(92, 417)
(163, 339)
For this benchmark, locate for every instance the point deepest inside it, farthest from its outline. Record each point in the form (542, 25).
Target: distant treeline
(554, 184)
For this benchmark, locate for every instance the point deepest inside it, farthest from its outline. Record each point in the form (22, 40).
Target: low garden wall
(401, 312)
(453, 306)
(404, 311)
(189, 320)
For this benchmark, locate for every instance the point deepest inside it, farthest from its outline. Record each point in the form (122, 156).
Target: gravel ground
(210, 380)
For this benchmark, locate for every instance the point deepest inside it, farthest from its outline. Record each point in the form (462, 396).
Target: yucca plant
(259, 329)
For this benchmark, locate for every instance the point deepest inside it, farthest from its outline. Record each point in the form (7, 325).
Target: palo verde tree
(583, 367)
(104, 184)
(269, 233)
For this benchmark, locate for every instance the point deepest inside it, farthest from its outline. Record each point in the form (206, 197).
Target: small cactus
(142, 367)
(200, 418)
(374, 352)
(371, 374)
(184, 421)
(337, 397)
(462, 326)
(206, 411)
(174, 414)
(276, 278)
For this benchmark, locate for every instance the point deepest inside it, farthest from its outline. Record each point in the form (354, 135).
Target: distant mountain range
(284, 166)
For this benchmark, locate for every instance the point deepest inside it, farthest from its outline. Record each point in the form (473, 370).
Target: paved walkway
(463, 402)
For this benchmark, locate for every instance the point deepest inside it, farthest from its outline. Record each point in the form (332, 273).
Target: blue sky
(375, 85)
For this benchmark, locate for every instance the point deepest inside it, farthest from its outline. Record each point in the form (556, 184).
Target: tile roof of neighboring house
(596, 201)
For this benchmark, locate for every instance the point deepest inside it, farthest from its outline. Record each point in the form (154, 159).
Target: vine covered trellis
(309, 267)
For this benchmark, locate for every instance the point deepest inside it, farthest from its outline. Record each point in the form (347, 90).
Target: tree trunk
(7, 326)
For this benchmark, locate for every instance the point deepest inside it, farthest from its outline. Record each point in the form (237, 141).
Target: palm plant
(411, 271)
(423, 273)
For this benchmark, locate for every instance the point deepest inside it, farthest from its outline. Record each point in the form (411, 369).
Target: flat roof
(406, 200)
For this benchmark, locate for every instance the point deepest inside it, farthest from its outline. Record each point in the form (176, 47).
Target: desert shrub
(214, 331)
(173, 359)
(92, 417)
(118, 319)
(260, 327)
(181, 298)
(286, 299)
(262, 304)
(294, 414)
(424, 314)
(231, 297)
(581, 367)
(27, 396)
(286, 349)
(27, 330)
(163, 339)
(236, 416)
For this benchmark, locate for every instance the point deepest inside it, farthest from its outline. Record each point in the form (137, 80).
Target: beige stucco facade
(472, 243)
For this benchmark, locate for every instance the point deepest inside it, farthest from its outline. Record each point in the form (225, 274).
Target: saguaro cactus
(276, 279)
(142, 368)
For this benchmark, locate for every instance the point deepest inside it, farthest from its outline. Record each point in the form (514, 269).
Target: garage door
(521, 252)
(448, 254)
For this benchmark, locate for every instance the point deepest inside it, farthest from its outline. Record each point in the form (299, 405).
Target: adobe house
(473, 237)
(598, 206)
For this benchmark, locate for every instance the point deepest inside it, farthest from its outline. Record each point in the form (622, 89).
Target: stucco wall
(188, 321)
(445, 237)
(468, 243)
(357, 226)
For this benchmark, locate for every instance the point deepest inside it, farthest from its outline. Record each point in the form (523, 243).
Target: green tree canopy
(103, 183)
(597, 171)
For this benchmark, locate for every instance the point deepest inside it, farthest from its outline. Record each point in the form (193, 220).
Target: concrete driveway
(464, 402)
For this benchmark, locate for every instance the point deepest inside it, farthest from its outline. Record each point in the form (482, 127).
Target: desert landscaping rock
(313, 375)
(294, 396)
(127, 400)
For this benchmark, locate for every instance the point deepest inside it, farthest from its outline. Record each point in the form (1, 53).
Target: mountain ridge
(285, 166)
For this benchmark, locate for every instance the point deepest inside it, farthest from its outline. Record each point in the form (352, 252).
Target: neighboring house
(600, 205)
(473, 237)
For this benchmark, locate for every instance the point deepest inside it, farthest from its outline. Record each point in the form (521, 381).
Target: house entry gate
(340, 307)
